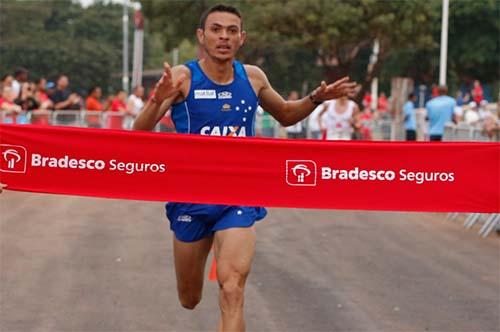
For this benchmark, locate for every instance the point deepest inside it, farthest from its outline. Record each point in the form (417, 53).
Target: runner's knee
(232, 290)
(189, 299)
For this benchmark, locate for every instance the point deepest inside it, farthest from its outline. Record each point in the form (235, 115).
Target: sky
(86, 3)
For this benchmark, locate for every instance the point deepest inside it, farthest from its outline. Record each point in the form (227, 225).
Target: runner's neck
(218, 72)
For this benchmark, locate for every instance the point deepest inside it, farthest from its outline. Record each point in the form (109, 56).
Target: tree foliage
(59, 36)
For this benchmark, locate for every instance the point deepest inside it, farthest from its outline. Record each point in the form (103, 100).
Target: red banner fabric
(397, 176)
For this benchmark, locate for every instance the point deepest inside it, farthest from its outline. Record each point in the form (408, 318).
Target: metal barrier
(490, 221)
(84, 118)
(466, 132)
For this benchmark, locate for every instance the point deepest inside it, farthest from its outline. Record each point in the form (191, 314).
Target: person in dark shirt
(63, 98)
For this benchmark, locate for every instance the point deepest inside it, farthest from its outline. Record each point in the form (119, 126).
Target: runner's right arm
(169, 89)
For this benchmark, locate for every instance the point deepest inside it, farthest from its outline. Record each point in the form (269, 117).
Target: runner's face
(222, 37)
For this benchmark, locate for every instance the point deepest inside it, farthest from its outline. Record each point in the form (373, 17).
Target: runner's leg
(234, 250)
(190, 259)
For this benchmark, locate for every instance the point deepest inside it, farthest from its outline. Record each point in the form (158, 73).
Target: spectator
(410, 118)
(367, 100)
(477, 92)
(8, 109)
(439, 112)
(50, 88)
(93, 103)
(491, 127)
(6, 81)
(471, 114)
(382, 104)
(119, 108)
(107, 103)
(434, 91)
(337, 118)
(483, 111)
(366, 119)
(119, 102)
(294, 131)
(26, 99)
(20, 76)
(41, 95)
(63, 98)
(135, 102)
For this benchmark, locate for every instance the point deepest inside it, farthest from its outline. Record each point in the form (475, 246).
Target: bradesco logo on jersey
(13, 158)
(304, 173)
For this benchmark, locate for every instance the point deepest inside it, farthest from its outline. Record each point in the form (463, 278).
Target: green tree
(54, 37)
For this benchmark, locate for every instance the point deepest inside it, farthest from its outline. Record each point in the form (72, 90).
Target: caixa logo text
(12, 158)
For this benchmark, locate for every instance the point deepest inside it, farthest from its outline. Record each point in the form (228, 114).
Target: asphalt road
(82, 264)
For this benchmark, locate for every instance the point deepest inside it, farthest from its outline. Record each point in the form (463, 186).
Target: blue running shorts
(193, 222)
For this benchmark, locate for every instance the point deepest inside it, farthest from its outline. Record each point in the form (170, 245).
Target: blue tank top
(215, 109)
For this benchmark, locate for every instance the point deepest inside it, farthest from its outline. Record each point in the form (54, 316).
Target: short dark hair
(219, 8)
(92, 89)
(442, 89)
(20, 71)
(411, 95)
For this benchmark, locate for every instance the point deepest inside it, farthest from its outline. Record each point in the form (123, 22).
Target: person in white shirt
(336, 118)
(20, 76)
(135, 102)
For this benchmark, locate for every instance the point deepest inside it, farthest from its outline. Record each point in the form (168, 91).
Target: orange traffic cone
(212, 276)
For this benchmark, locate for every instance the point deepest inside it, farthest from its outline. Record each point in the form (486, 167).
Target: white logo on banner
(301, 172)
(13, 158)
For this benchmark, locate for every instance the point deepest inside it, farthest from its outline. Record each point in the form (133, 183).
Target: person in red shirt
(382, 103)
(93, 103)
(118, 105)
(367, 100)
(434, 91)
(477, 92)
(41, 95)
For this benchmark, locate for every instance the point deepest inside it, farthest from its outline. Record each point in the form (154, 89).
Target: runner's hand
(166, 87)
(340, 88)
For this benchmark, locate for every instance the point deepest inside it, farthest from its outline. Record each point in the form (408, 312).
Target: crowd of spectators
(341, 119)
(18, 93)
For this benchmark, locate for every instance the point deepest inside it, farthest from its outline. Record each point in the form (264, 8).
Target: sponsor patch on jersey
(225, 95)
(205, 94)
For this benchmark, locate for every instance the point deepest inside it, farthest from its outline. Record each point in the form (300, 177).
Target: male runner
(218, 96)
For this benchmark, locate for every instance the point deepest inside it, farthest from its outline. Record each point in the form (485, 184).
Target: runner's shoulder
(181, 69)
(255, 73)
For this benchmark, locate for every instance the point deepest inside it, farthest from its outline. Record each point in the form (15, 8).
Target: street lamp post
(125, 79)
(444, 44)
